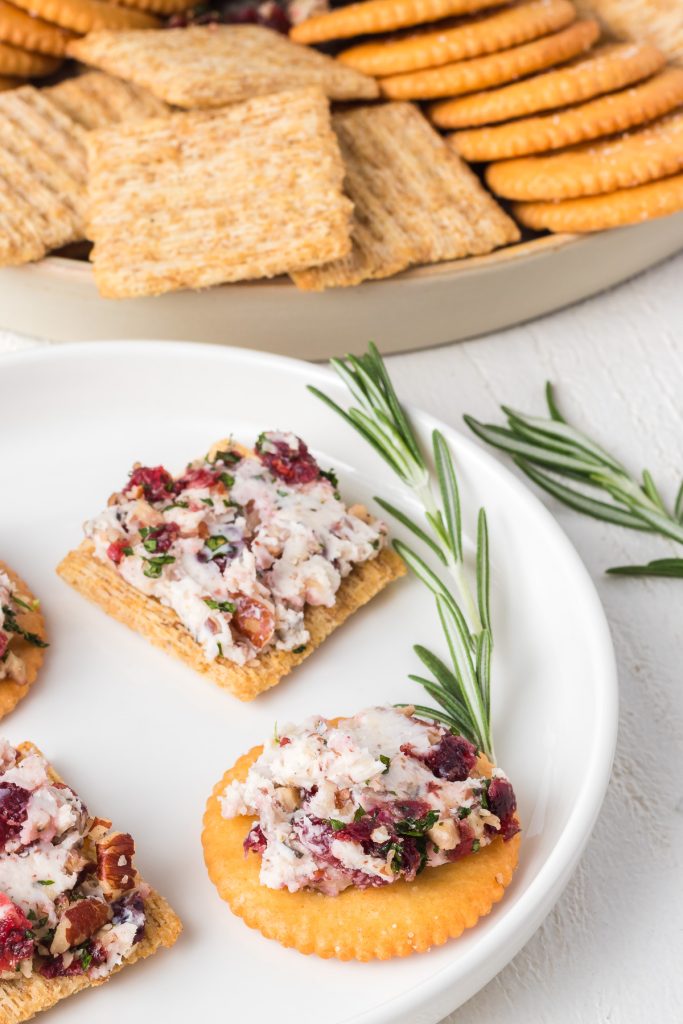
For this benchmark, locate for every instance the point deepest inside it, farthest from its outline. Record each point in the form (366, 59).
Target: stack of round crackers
(34, 33)
(580, 132)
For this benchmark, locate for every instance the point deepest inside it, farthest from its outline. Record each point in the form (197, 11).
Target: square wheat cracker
(414, 200)
(211, 65)
(201, 198)
(146, 615)
(97, 100)
(42, 177)
(21, 999)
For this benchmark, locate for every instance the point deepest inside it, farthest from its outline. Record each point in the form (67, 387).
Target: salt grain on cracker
(211, 65)
(413, 203)
(250, 191)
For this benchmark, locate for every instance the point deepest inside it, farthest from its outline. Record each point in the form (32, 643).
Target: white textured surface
(611, 950)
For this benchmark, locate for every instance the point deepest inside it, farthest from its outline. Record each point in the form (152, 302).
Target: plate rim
(520, 921)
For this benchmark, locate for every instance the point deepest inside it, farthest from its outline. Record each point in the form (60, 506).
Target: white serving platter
(143, 739)
(57, 298)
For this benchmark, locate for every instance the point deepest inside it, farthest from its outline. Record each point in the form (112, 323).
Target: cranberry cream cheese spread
(71, 902)
(367, 801)
(238, 544)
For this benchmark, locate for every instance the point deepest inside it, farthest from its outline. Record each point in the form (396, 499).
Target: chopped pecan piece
(115, 863)
(79, 921)
(254, 620)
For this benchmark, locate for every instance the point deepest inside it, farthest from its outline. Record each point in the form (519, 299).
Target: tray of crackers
(419, 171)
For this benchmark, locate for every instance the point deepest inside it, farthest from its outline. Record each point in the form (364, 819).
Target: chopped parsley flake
(464, 812)
(386, 761)
(155, 565)
(214, 543)
(221, 606)
(337, 825)
(299, 650)
(46, 881)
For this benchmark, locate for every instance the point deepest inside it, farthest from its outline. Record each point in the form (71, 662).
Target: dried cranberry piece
(294, 465)
(90, 954)
(13, 803)
(4, 642)
(255, 841)
(453, 758)
(156, 482)
(503, 803)
(15, 941)
(197, 476)
(116, 551)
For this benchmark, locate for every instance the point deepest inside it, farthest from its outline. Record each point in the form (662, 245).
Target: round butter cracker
(607, 115)
(21, 29)
(371, 16)
(358, 924)
(493, 69)
(18, 63)
(615, 163)
(603, 70)
(83, 16)
(460, 40)
(597, 213)
(10, 692)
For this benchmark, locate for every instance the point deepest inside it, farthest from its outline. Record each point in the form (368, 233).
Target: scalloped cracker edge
(11, 693)
(160, 625)
(21, 1000)
(392, 920)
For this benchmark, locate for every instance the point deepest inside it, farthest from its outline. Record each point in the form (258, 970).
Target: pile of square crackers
(207, 154)
(210, 154)
(581, 130)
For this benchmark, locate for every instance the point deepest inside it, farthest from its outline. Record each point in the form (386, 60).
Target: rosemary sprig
(381, 420)
(462, 689)
(550, 451)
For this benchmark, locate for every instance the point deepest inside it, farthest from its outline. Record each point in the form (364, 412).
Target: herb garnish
(299, 650)
(550, 451)
(386, 761)
(337, 825)
(359, 813)
(462, 689)
(154, 566)
(221, 606)
(227, 479)
(417, 826)
(46, 881)
(216, 542)
(12, 626)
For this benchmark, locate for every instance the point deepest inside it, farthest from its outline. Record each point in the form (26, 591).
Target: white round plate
(57, 298)
(143, 739)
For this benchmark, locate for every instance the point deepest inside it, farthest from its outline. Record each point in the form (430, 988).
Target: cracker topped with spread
(241, 565)
(73, 908)
(383, 805)
(22, 639)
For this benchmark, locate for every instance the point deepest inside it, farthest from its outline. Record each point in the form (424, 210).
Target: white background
(611, 949)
